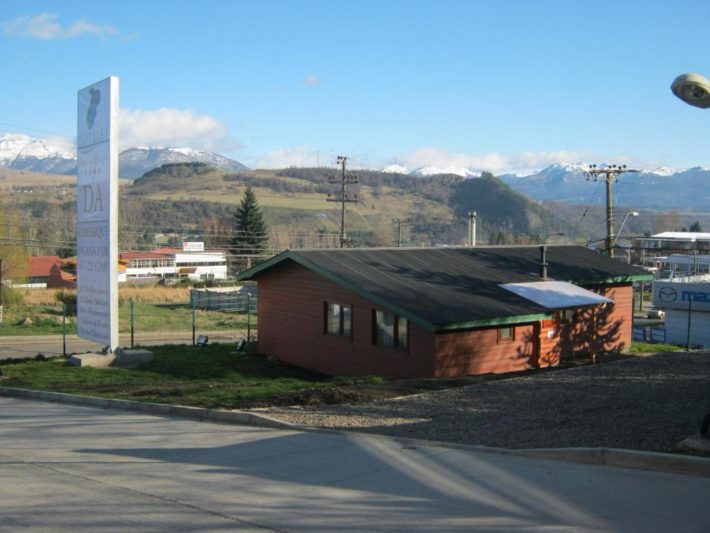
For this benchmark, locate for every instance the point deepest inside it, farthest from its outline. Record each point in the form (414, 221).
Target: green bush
(69, 301)
(11, 296)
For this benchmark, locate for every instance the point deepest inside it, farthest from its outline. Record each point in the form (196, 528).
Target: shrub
(69, 301)
(11, 296)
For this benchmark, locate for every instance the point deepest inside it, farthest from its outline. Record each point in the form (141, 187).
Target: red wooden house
(441, 311)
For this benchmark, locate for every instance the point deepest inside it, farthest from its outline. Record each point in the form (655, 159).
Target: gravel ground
(644, 403)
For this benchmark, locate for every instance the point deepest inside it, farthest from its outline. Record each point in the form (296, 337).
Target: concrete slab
(95, 360)
(121, 359)
(132, 358)
(65, 467)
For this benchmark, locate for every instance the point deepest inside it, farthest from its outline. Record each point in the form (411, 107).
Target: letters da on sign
(93, 197)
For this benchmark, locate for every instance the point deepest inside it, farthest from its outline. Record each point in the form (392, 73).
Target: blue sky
(492, 85)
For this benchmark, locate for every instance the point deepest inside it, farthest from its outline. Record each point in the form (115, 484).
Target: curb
(657, 461)
(194, 413)
(615, 457)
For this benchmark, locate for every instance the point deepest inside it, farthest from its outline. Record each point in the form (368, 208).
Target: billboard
(681, 295)
(97, 213)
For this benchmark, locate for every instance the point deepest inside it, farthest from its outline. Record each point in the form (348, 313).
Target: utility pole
(1, 291)
(399, 222)
(344, 181)
(608, 174)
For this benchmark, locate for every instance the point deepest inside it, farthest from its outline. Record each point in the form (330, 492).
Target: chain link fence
(41, 321)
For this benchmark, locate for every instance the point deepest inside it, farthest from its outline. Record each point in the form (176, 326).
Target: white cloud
(496, 162)
(312, 80)
(289, 157)
(45, 26)
(174, 127)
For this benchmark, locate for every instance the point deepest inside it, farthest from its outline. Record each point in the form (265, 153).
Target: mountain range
(21, 152)
(660, 188)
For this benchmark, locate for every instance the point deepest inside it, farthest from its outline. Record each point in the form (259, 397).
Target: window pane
(333, 319)
(506, 333)
(347, 320)
(385, 328)
(402, 332)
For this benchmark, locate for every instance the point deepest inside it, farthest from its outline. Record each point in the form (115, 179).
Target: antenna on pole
(608, 174)
(344, 198)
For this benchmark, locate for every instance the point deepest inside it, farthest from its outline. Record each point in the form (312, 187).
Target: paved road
(64, 468)
(19, 346)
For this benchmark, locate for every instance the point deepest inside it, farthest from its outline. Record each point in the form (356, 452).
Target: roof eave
(505, 321)
(615, 279)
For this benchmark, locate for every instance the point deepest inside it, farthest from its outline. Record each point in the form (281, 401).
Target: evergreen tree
(251, 233)
(695, 227)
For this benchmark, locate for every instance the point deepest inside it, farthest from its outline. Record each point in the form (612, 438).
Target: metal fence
(227, 315)
(650, 334)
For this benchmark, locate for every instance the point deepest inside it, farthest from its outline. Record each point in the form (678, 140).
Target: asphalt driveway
(68, 468)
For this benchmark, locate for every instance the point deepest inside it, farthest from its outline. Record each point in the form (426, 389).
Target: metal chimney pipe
(472, 228)
(543, 262)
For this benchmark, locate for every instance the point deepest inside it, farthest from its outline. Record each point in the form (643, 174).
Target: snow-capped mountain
(135, 162)
(35, 155)
(395, 169)
(433, 171)
(21, 152)
(662, 188)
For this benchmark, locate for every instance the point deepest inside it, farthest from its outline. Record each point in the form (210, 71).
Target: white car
(659, 314)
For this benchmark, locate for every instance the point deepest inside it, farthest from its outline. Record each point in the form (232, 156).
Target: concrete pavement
(65, 467)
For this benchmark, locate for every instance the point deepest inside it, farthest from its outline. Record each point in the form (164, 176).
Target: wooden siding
(600, 329)
(479, 351)
(291, 327)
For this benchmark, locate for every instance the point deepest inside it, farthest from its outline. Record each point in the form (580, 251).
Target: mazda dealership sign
(677, 295)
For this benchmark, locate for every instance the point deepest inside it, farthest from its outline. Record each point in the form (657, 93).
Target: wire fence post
(248, 317)
(64, 330)
(133, 323)
(193, 300)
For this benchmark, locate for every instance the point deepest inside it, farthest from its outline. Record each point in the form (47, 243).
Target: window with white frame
(388, 329)
(338, 319)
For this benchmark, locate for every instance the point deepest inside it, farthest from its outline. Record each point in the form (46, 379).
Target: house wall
(479, 351)
(541, 344)
(291, 327)
(600, 329)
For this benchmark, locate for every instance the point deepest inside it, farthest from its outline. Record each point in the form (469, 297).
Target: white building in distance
(192, 262)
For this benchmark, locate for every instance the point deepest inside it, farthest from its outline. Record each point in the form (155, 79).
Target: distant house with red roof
(36, 273)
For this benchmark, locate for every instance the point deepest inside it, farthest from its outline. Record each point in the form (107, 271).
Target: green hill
(294, 202)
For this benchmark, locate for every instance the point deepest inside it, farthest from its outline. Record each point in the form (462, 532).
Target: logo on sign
(667, 294)
(93, 104)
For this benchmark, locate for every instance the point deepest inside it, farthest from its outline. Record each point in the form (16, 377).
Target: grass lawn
(208, 376)
(148, 317)
(647, 347)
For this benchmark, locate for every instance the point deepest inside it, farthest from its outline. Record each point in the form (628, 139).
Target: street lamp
(693, 89)
(629, 214)
(544, 239)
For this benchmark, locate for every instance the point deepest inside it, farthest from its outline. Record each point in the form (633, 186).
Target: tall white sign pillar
(97, 213)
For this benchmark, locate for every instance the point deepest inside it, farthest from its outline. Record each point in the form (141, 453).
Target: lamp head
(693, 89)
(634, 213)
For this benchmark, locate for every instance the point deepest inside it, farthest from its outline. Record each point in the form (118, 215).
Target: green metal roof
(444, 289)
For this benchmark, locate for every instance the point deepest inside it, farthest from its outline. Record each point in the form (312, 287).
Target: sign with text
(97, 213)
(680, 295)
(193, 246)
